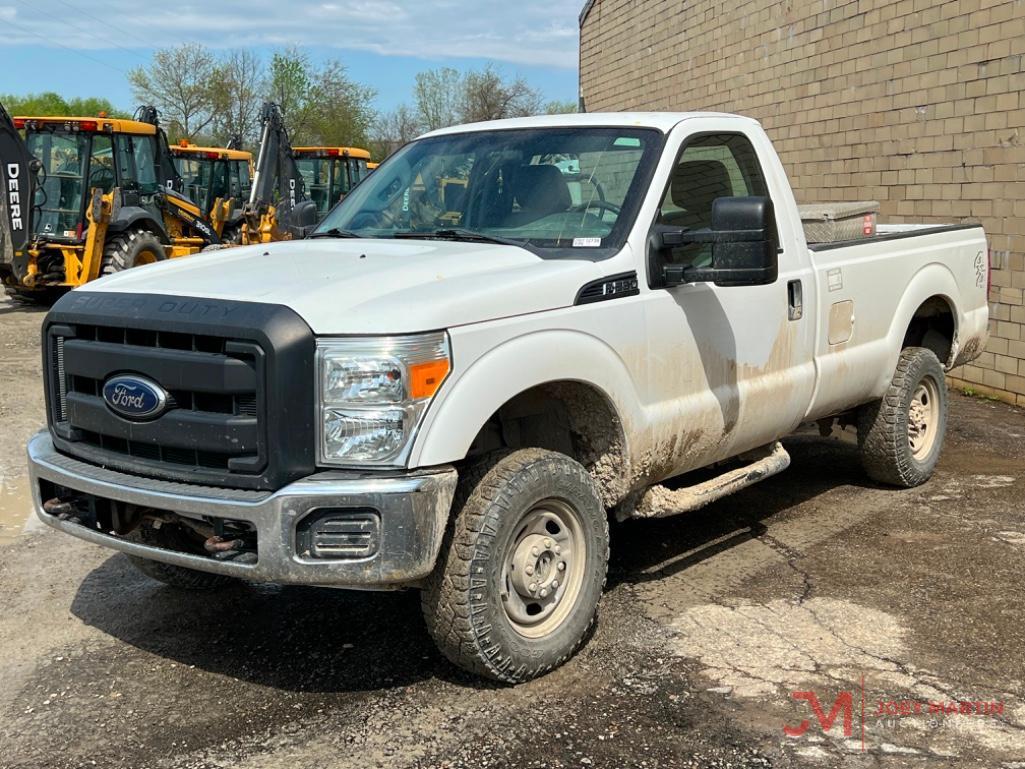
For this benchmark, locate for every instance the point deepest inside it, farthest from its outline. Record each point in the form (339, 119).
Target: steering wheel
(601, 205)
(102, 177)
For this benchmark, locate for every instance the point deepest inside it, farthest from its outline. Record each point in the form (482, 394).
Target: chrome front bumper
(413, 509)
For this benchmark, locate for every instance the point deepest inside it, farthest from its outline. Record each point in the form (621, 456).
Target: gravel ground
(813, 581)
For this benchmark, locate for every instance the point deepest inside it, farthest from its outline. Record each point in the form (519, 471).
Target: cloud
(528, 32)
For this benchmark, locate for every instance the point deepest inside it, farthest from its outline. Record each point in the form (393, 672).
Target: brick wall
(918, 104)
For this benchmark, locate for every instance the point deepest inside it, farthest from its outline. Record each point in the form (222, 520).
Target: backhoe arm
(278, 204)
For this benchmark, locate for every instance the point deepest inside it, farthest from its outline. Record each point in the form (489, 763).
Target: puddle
(15, 507)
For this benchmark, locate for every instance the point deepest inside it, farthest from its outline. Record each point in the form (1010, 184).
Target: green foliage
(50, 103)
(559, 107)
(322, 107)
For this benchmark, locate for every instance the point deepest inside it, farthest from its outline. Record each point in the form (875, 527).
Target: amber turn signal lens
(426, 378)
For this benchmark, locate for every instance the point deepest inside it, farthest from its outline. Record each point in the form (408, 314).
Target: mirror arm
(678, 274)
(676, 238)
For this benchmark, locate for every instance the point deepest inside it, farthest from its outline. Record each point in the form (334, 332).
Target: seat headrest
(697, 183)
(541, 190)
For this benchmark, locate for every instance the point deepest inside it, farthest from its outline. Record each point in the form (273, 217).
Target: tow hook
(226, 549)
(218, 544)
(60, 509)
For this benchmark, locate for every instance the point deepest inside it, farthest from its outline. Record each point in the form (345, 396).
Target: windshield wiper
(456, 233)
(336, 232)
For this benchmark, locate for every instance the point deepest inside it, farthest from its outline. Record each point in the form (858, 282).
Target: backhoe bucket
(18, 175)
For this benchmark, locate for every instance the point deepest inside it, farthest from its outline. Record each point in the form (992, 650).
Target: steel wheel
(543, 568)
(145, 257)
(923, 418)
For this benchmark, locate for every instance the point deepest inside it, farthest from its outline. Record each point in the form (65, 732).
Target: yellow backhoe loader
(330, 172)
(90, 196)
(219, 179)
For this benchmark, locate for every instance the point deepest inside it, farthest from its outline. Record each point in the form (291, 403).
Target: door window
(135, 158)
(101, 164)
(709, 167)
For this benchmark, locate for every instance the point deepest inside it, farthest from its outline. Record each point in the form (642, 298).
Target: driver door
(732, 365)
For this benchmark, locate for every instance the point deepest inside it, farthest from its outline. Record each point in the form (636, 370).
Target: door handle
(795, 300)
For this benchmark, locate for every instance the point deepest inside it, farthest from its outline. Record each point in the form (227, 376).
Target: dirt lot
(814, 581)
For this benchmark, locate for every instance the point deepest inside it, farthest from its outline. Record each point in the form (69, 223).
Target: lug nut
(558, 550)
(529, 570)
(561, 566)
(535, 552)
(548, 543)
(555, 584)
(532, 587)
(544, 593)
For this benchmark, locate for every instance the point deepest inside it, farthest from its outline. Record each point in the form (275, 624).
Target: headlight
(373, 394)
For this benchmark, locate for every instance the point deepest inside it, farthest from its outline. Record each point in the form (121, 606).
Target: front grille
(212, 420)
(238, 377)
(156, 453)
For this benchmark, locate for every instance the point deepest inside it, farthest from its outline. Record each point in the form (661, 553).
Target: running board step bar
(662, 502)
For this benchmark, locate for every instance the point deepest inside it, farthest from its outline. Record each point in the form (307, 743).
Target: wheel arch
(136, 217)
(560, 390)
(928, 304)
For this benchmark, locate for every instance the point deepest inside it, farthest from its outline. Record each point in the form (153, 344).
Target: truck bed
(886, 232)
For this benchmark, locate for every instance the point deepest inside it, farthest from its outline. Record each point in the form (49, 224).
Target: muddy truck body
(509, 334)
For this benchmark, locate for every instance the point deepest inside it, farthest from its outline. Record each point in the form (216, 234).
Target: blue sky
(86, 47)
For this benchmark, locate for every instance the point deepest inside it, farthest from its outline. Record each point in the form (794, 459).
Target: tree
(50, 103)
(486, 96)
(439, 95)
(237, 97)
(322, 107)
(560, 107)
(394, 129)
(343, 110)
(291, 87)
(181, 83)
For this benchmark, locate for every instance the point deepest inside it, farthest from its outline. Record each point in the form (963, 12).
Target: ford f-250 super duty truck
(507, 334)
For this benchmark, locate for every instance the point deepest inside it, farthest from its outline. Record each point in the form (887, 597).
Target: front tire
(517, 584)
(130, 249)
(901, 435)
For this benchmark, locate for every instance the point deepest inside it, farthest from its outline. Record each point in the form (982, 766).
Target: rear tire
(901, 435)
(232, 235)
(170, 537)
(43, 297)
(130, 249)
(517, 584)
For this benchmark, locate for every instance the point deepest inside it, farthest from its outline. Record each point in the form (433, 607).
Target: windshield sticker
(586, 242)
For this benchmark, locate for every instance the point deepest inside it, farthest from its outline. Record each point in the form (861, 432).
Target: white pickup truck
(508, 333)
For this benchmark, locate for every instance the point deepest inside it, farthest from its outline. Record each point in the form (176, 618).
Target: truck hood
(370, 286)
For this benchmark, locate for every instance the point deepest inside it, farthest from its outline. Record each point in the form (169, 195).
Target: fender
(932, 280)
(507, 370)
(129, 216)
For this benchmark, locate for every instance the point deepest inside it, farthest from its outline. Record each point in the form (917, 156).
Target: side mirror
(743, 247)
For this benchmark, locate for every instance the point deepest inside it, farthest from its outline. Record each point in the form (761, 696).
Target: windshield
(328, 179)
(65, 160)
(547, 187)
(205, 180)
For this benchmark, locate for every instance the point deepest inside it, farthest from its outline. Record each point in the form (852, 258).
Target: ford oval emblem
(134, 397)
